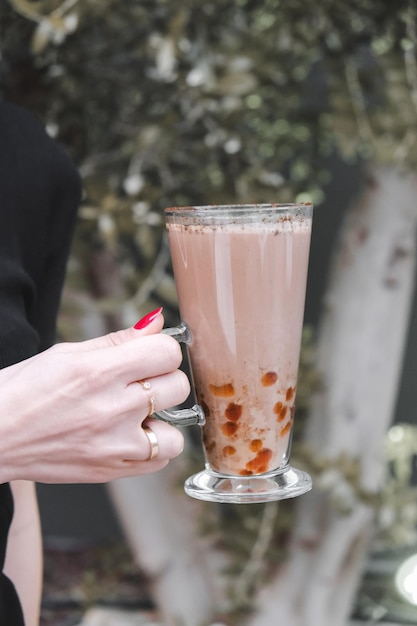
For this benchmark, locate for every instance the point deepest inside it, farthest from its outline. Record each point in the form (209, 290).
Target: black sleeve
(39, 195)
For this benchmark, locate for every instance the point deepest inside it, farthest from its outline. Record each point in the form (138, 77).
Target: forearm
(24, 551)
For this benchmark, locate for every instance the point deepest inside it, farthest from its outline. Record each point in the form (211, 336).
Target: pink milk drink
(240, 273)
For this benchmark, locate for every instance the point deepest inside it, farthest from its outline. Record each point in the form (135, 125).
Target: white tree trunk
(360, 354)
(161, 525)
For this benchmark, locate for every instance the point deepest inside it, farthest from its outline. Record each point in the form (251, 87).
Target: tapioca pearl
(222, 391)
(229, 428)
(233, 412)
(260, 463)
(290, 393)
(269, 379)
(256, 445)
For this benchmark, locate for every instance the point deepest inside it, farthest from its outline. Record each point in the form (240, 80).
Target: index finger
(114, 338)
(142, 357)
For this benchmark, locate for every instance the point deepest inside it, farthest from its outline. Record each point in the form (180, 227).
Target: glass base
(276, 485)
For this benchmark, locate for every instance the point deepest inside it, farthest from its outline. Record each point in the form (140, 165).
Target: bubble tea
(240, 273)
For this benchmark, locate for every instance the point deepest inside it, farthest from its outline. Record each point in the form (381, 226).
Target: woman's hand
(74, 413)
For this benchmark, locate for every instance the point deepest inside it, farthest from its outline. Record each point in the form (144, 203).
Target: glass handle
(181, 333)
(181, 417)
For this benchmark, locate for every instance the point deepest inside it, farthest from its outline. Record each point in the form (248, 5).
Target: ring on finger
(152, 438)
(152, 403)
(146, 385)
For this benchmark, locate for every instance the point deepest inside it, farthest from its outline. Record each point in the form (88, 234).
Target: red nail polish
(147, 319)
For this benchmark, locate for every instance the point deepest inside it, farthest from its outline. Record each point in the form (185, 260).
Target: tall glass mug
(240, 273)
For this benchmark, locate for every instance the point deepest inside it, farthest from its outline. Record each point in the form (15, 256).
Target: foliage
(161, 103)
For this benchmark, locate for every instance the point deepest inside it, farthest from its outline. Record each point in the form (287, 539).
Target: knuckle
(79, 369)
(90, 376)
(113, 338)
(78, 376)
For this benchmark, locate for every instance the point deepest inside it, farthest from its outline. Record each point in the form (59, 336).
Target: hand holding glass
(240, 273)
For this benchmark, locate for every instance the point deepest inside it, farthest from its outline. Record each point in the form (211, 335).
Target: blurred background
(162, 103)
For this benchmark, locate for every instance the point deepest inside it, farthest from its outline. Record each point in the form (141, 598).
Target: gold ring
(152, 440)
(152, 402)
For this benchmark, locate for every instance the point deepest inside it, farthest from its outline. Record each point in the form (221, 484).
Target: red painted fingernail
(145, 321)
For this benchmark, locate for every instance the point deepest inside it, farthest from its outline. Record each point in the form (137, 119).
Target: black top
(39, 194)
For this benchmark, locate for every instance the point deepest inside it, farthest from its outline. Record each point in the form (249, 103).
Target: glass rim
(238, 208)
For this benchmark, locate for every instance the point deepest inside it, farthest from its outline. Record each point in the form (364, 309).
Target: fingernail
(147, 319)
